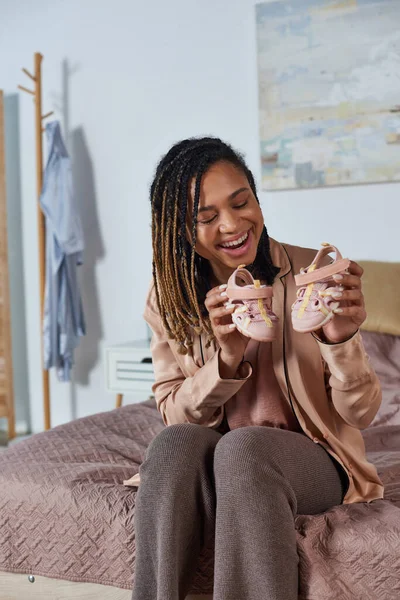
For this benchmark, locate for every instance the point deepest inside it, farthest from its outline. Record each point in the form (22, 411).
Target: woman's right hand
(232, 343)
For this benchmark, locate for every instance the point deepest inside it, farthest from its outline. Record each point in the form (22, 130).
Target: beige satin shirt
(332, 389)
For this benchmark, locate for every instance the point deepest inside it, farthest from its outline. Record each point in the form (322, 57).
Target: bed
(67, 521)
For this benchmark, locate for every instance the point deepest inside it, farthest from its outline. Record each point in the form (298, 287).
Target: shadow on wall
(87, 354)
(16, 262)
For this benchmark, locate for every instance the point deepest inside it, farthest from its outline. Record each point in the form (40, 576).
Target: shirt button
(326, 435)
(316, 440)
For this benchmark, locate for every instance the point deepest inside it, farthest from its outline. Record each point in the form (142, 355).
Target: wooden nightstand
(129, 369)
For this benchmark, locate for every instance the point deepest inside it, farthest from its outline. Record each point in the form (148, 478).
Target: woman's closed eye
(208, 221)
(241, 205)
(238, 206)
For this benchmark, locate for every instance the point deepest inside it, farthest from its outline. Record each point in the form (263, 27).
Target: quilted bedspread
(64, 512)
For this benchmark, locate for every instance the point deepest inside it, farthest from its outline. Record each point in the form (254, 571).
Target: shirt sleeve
(354, 386)
(197, 399)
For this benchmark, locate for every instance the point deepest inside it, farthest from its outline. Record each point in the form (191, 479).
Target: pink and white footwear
(315, 300)
(253, 316)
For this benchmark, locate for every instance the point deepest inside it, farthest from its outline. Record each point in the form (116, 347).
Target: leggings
(243, 488)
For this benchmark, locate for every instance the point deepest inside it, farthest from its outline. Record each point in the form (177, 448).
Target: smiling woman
(205, 202)
(263, 421)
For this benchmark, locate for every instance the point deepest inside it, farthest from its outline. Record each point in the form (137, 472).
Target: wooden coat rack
(39, 118)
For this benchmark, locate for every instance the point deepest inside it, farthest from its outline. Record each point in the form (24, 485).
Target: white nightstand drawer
(128, 368)
(128, 374)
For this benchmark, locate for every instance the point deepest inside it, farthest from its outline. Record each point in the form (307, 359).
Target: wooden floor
(15, 586)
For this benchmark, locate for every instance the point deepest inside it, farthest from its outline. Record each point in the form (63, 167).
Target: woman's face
(229, 222)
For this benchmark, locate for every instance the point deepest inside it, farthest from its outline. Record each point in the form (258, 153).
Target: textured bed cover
(65, 514)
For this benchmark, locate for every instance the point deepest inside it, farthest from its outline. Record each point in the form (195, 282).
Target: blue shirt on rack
(63, 320)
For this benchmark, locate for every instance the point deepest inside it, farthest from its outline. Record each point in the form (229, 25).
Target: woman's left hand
(351, 313)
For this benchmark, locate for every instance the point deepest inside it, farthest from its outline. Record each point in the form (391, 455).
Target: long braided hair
(182, 277)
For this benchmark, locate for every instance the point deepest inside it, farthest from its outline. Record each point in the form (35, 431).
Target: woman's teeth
(236, 243)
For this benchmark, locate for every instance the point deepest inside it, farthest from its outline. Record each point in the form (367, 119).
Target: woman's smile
(238, 246)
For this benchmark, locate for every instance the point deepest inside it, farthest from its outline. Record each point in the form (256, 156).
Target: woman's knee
(250, 456)
(185, 442)
(246, 447)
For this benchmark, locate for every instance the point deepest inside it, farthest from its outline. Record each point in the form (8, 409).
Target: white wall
(143, 75)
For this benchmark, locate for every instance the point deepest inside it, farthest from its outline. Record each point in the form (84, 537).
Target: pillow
(384, 354)
(381, 287)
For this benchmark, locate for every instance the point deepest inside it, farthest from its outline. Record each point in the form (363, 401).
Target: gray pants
(243, 488)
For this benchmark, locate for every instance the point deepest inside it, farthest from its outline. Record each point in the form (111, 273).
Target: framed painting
(329, 92)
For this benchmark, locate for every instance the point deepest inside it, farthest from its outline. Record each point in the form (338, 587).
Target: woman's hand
(351, 313)
(232, 343)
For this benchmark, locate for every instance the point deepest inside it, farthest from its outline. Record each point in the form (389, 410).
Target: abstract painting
(329, 92)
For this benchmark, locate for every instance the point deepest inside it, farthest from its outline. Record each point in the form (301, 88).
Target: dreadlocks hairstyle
(181, 276)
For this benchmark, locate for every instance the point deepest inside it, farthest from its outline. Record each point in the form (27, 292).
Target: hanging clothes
(63, 320)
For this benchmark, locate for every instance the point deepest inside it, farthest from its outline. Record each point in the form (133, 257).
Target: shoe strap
(243, 293)
(336, 267)
(316, 274)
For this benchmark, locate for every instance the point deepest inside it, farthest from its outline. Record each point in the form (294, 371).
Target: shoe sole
(257, 339)
(326, 320)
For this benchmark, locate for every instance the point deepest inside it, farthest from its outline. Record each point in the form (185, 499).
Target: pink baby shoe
(315, 301)
(253, 316)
